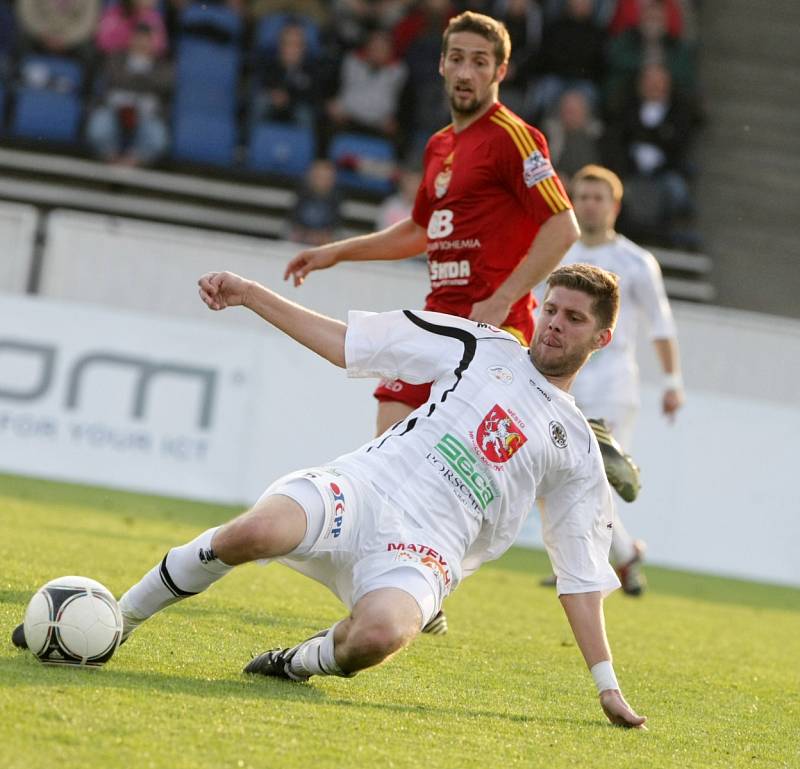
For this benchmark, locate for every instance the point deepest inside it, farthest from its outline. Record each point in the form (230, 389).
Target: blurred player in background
(608, 386)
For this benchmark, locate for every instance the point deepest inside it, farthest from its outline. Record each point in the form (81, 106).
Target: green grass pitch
(714, 663)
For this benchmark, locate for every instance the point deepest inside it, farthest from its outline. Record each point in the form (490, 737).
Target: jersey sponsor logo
(440, 225)
(499, 437)
(501, 374)
(541, 392)
(463, 244)
(423, 555)
(339, 510)
(489, 327)
(455, 273)
(536, 168)
(463, 463)
(558, 434)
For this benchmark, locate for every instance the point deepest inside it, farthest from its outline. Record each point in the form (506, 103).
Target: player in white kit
(393, 527)
(608, 386)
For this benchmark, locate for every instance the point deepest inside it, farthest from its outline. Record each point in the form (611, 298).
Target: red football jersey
(485, 192)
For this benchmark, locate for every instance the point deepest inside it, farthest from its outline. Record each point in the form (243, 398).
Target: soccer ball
(73, 621)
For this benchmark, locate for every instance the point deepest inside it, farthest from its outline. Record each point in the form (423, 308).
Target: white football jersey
(612, 374)
(468, 465)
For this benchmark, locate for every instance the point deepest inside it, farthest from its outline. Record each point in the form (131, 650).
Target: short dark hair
(493, 30)
(600, 284)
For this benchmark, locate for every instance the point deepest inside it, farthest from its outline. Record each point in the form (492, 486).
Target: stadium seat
(46, 115)
(268, 32)
(203, 138)
(214, 21)
(363, 162)
(56, 73)
(206, 76)
(2, 108)
(281, 148)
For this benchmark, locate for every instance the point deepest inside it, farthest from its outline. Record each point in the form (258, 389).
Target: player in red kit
(490, 212)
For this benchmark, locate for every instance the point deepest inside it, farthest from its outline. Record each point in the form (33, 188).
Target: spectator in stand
(128, 125)
(418, 37)
(628, 15)
(400, 205)
(603, 11)
(352, 20)
(8, 39)
(650, 42)
(63, 27)
(316, 10)
(656, 130)
(571, 57)
(287, 85)
(118, 24)
(523, 19)
(371, 83)
(315, 218)
(574, 135)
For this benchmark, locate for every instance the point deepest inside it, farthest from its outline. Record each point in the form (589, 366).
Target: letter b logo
(441, 224)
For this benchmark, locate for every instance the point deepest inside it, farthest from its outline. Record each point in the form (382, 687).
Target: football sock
(622, 548)
(315, 657)
(184, 571)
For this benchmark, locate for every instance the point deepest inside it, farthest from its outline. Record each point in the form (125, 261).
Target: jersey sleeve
(415, 346)
(524, 162)
(652, 297)
(576, 529)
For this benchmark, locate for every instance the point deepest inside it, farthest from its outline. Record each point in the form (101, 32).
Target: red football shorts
(412, 395)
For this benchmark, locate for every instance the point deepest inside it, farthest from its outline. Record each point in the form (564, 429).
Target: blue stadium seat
(219, 20)
(46, 115)
(58, 73)
(2, 108)
(281, 148)
(268, 32)
(363, 162)
(206, 76)
(204, 139)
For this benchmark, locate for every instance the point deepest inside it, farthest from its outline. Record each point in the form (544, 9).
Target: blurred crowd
(339, 93)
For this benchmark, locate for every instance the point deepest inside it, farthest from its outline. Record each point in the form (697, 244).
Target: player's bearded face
(470, 73)
(566, 333)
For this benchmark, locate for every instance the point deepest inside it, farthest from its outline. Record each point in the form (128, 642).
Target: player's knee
(375, 641)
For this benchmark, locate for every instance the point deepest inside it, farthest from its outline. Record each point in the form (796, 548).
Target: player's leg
(381, 623)
(626, 553)
(396, 400)
(275, 526)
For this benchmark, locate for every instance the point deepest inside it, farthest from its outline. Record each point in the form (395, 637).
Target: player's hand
(619, 712)
(490, 311)
(670, 403)
(223, 289)
(307, 261)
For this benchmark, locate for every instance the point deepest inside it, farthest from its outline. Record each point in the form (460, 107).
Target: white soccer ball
(73, 621)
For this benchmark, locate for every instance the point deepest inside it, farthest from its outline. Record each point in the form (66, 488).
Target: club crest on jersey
(536, 168)
(442, 181)
(558, 434)
(498, 436)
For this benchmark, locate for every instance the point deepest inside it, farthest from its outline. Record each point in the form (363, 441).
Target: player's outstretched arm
(324, 335)
(400, 241)
(552, 241)
(585, 614)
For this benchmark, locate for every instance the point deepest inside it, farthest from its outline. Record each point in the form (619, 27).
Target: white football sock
(622, 548)
(315, 657)
(184, 571)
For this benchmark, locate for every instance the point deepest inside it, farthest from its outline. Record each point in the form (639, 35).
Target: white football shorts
(357, 541)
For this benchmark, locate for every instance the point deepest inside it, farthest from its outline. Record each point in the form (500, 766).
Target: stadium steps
(250, 207)
(749, 181)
